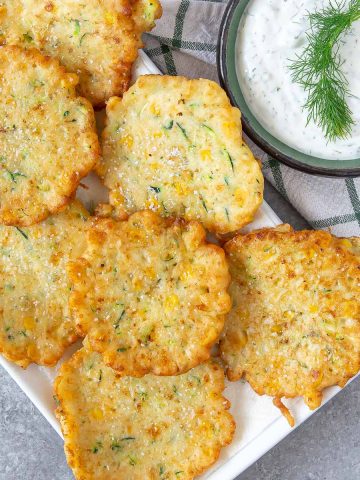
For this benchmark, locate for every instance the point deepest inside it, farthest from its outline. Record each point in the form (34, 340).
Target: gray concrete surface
(326, 447)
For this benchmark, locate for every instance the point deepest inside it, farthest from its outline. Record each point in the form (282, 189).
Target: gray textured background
(326, 447)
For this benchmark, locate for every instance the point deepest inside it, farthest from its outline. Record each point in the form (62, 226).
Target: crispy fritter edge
(75, 270)
(69, 426)
(44, 61)
(271, 233)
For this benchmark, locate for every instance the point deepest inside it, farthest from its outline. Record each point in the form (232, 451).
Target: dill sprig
(318, 69)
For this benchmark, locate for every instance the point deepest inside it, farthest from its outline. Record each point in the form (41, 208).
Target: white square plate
(260, 426)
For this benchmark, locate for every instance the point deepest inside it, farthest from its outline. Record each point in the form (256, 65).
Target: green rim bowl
(267, 142)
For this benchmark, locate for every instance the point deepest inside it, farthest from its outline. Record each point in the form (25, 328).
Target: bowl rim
(221, 61)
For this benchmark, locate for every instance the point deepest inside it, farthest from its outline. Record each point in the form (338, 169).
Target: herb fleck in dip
(270, 35)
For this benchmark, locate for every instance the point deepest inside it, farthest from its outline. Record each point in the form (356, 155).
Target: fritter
(150, 293)
(48, 140)
(143, 429)
(294, 328)
(97, 40)
(174, 146)
(35, 322)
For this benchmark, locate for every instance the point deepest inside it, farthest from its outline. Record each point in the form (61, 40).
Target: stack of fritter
(97, 39)
(142, 399)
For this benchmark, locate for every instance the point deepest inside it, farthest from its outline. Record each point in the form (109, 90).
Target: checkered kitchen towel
(184, 43)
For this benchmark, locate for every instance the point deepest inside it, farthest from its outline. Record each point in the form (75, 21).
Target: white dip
(271, 33)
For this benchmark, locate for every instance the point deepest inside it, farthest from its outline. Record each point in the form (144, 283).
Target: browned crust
(80, 170)
(70, 428)
(49, 361)
(54, 346)
(136, 362)
(284, 411)
(345, 249)
(122, 27)
(213, 225)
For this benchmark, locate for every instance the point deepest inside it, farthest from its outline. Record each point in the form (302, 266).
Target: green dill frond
(318, 69)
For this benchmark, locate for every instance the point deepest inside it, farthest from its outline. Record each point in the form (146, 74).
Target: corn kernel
(181, 189)
(187, 273)
(205, 154)
(154, 109)
(137, 284)
(171, 302)
(313, 309)
(239, 195)
(346, 243)
(127, 141)
(44, 187)
(150, 273)
(37, 234)
(206, 430)
(117, 198)
(70, 80)
(154, 166)
(29, 323)
(152, 203)
(96, 413)
(141, 314)
(10, 101)
(109, 18)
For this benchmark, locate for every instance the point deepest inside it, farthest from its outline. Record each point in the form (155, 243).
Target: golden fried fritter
(48, 140)
(174, 146)
(35, 322)
(144, 14)
(150, 293)
(98, 40)
(141, 429)
(294, 328)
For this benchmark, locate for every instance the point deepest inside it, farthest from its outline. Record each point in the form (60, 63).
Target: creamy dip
(271, 33)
